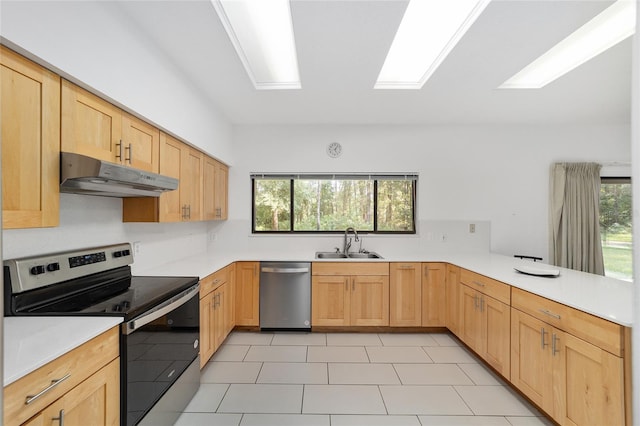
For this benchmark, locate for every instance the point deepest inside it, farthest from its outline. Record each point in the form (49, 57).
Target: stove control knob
(117, 254)
(53, 267)
(117, 308)
(125, 304)
(37, 270)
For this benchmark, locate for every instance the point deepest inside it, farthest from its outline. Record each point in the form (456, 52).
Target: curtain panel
(575, 217)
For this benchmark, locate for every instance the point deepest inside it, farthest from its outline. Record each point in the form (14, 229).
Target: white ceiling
(342, 44)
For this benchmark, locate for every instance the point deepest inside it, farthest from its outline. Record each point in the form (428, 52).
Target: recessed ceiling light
(607, 29)
(262, 33)
(429, 30)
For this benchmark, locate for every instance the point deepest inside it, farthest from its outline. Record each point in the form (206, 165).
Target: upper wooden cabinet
(92, 126)
(215, 192)
(30, 143)
(184, 163)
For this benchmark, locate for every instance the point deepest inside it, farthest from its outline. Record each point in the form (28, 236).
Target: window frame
(413, 177)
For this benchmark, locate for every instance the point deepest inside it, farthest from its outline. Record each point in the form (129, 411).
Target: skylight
(429, 30)
(607, 29)
(262, 34)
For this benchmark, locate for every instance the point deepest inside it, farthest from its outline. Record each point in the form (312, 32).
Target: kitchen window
(329, 203)
(615, 227)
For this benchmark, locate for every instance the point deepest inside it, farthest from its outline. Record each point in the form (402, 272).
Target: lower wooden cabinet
(217, 301)
(575, 382)
(405, 295)
(88, 391)
(247, 294)
(95, 401)
(452, 300)
(434, 306)
(350, 294)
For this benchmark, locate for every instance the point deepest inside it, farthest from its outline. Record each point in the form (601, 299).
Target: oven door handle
(161, 309)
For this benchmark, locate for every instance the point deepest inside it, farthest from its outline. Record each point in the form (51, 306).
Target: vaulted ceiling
(342, 44)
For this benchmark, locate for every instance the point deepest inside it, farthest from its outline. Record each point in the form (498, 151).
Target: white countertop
(604, 297)
(31, 342)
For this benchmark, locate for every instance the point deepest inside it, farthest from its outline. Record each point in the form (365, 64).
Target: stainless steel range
(159, 341)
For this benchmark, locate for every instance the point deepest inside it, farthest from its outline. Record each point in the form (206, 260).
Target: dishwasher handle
(284, 270)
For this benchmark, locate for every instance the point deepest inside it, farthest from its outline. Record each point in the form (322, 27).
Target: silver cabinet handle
(60, 418)
(284, 270)
(475, 301)
(407, 267)
(481, 304)
(346, 284)
(54, 383)
(130, 153)
(119, 150)
(353, 284)
(478, 283)
(554, 344)
(542, 333)
(549, 313)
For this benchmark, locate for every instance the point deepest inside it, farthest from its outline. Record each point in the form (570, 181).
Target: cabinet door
(220, 328)
(452, 297)
(434, 307)
(497, 317)
(30, 111)
(141, 144)
(330, 300)
(405, 295)
(531, 361)
(221, 191)
(171, 164)
(209, 188)
(247, 294)
(95, 401)
(472, 319)
(207, 329)
(590, 384)
(230, 306)
(191, 184)
(90, 125)
(369, 300)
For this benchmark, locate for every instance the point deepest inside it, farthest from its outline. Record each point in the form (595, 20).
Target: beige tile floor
(346, 379)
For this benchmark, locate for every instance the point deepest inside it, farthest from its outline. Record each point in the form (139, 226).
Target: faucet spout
(347, 244)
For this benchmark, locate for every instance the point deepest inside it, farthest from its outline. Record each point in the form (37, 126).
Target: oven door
(157, 348)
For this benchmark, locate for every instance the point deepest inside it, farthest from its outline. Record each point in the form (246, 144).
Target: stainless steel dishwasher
(285, 296)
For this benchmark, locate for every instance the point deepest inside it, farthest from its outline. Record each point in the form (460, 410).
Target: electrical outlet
(472, 228)
(136, 248)
(212, 236)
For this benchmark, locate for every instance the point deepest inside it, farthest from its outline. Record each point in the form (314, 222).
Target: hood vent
(80, 174)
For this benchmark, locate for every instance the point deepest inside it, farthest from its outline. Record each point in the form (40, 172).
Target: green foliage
(615, 208)
(332, 205)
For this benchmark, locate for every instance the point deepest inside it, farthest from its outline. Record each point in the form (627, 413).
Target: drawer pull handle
(406, 267)
(60, 418)
(549, 313)
(54, 383)
(478, 283)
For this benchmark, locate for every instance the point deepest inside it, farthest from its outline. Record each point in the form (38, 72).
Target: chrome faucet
(347, 244)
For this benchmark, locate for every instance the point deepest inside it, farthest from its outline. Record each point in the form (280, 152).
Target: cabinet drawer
(488, 286)
(350, 268)
(600, 332)
(76, 365)
(213, 281)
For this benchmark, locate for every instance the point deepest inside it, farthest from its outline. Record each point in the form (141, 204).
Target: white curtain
(575, 217)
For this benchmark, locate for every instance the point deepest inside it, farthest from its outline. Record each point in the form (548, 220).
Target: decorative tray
(538, 272)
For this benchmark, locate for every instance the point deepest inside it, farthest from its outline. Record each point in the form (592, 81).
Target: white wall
(110, 56)
(495, 175)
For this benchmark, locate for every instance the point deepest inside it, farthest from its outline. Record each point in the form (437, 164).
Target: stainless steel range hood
(80, 174)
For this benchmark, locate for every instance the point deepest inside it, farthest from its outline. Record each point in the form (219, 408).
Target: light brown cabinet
(87, 389)
(215, 189)
(434, 306)
(180, 161)
(485, 319)
(405, 294)
(573, 380)
(247, 294)
(30, 110)
(350, 294)
(92, 126)
(216, 310)
(453, 299)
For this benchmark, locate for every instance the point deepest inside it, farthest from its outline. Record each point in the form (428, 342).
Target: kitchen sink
(334, 255)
